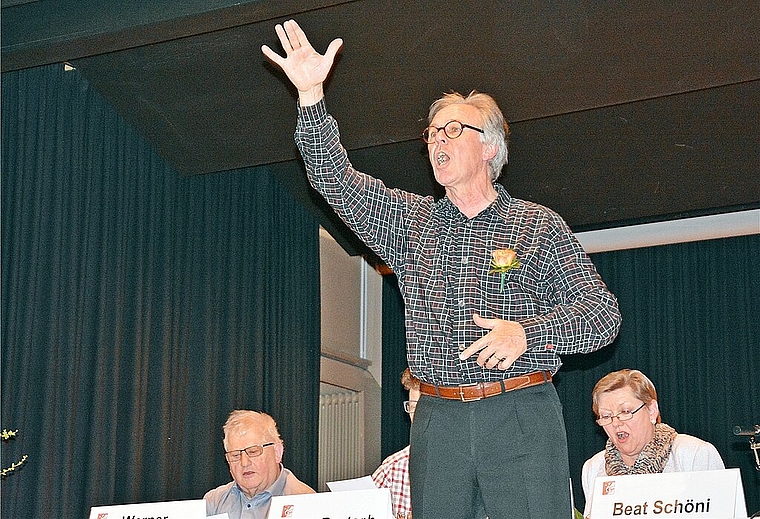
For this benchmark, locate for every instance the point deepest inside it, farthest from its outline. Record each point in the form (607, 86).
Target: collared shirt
(230, 498)
(442, 261)
(393, 474)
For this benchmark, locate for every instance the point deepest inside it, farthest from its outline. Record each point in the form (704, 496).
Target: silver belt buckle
(463, 398)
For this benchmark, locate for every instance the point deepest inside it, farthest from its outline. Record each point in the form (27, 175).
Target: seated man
(393, 473)
(253, 450)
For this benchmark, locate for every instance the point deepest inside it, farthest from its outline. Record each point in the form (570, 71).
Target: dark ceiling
(620, 112)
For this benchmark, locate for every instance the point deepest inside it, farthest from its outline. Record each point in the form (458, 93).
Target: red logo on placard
(287, 511)
(608, 488)
(103, 516)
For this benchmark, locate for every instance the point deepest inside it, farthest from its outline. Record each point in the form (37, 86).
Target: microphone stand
(753, 445)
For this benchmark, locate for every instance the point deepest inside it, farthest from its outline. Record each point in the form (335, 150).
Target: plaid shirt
(442, 260)
(393, 474)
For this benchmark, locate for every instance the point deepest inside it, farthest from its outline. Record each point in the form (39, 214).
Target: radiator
(341, 437)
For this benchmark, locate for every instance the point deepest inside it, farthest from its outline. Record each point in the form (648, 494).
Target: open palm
(304, 66)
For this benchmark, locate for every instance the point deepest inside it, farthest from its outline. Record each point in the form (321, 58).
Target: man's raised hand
(305, 67)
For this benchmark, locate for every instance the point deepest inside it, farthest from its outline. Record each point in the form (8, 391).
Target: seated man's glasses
(623, 416)
(452, 129)
(254, 451)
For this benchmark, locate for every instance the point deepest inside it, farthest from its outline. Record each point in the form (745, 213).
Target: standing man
(495, 290)
(253, 449)
(393, 472)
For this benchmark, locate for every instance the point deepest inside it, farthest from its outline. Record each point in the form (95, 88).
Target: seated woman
(625, 402)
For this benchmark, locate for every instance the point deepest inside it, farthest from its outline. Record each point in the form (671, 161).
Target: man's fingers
(333, 48)
(284, 43)
(493, 361)
(295, 34)
(483, 322)
(480, 344)
(272, 55)
(289, 41)
(472, 349)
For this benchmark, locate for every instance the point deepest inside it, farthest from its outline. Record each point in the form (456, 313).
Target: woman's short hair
(495, 127)
(639, 383)
(242, 420)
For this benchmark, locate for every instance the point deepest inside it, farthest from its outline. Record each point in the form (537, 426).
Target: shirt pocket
(514, 297)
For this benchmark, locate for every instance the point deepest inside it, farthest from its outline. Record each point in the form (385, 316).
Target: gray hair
(240, 421)
(495, 127)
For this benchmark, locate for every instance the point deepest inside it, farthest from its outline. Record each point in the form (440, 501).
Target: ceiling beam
(41, 32)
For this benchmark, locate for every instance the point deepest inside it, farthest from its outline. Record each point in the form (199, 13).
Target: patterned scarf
(650, 460)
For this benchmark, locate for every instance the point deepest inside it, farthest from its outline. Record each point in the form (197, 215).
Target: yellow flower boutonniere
(503, 261)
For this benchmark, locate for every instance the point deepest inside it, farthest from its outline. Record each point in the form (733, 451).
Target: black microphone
(740, 431)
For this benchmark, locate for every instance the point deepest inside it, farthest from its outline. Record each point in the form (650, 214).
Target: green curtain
(395, 425)
(691, 322)
(140, 307)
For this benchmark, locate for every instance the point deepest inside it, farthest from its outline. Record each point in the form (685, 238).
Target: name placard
(351, 504)
(715, 494)
(189, 509)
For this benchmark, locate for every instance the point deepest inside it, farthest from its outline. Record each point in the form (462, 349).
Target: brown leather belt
(481, 390)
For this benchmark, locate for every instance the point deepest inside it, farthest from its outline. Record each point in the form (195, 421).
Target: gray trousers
(504, 457)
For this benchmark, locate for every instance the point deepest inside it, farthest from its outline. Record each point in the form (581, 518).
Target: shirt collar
(500, 205)
(275, 489)
(503, 199)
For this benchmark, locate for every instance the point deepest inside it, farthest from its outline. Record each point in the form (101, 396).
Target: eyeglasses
(410, 405)
(452, 129)
(623, 416)
(254, 451)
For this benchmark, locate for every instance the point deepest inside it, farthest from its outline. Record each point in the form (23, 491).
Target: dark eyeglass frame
(408, 405)
(607, 420)
(429, 139)
(254, 451)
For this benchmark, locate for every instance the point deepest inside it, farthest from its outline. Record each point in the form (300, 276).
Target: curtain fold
(140, 307)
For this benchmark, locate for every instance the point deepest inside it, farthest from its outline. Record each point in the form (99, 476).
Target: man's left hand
(500, 347)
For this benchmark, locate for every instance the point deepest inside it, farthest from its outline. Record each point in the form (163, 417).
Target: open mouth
(441, 158)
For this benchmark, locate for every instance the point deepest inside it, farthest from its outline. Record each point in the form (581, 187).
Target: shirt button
(461, 347)
(465, 260)
(461, 303)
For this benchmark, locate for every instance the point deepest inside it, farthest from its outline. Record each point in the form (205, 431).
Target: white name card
(715, 494)
(351, 504)
(189, 509)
